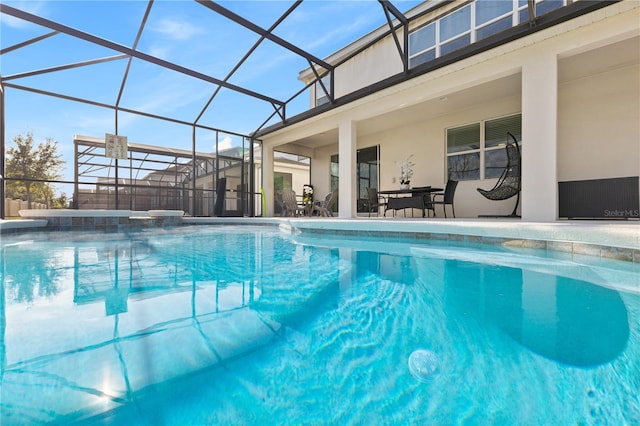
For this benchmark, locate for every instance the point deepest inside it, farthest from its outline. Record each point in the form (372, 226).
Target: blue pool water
(240, 325)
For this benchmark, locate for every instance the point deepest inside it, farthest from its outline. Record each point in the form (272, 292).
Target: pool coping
(608, 239)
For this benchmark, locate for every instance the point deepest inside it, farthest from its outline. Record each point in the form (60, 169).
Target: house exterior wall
(599, 126)
(588, 122)
(374, 64)
(321, 170)
(378, 61)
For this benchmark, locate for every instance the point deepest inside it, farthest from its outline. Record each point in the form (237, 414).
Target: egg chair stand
(508, 184)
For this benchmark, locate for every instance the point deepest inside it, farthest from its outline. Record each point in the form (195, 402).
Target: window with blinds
(476, 151)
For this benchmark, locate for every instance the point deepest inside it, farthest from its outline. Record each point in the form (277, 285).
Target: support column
(267, 178)
(540, 137)
(347, 137)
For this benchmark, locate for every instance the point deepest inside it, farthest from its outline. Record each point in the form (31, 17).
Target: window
(367, 165)
(492, 16)
(334, 172)
(523, 11)
(476, 151)
(489, 10)
(546, 6)
(455, 24)
(463, 152)
(495, 138)
(475, 21)
(281, 181)
(321, 96)
(367, 160)
(422, 45)
(455, 30)
(335, 177)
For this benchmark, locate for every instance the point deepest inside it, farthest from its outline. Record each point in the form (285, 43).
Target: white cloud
(225, 143)
(350, 20)
(167, 94)
(259, 69)
(30, 6)
(161, 52)
(355, 26)
(93, 125)
(176, 29)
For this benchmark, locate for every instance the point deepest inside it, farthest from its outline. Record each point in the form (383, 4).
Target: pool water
(242, 325)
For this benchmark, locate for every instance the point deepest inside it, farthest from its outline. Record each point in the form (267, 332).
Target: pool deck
(617, 239)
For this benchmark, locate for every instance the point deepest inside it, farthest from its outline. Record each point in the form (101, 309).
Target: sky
(179, 31)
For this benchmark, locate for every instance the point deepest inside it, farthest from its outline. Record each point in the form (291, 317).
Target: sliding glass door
(367, 169)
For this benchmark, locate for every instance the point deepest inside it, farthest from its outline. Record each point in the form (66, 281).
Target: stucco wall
(320, 172)
(599, 126)
(380, 61)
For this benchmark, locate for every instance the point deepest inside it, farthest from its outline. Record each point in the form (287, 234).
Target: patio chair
(508, 184)
(374, 201)
(447, 198)
(427, 201)
(290, 201)
(325, 207)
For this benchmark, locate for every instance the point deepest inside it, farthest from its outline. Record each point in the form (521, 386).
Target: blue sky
(183, 32)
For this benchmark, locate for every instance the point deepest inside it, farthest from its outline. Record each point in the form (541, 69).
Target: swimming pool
(253, 325)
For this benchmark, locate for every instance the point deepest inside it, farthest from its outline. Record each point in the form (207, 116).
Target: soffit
(603, 59)
(420, 112)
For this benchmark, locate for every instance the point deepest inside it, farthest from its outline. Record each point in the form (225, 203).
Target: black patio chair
(508, 184)
(447, 198)
(374, 201)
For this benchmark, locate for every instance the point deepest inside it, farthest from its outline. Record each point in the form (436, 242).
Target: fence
(13, 207)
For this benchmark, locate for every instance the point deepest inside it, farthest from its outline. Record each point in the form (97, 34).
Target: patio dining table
(413, 198)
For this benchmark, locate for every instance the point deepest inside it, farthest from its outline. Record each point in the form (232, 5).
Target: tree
(29, 167)
(62, 202)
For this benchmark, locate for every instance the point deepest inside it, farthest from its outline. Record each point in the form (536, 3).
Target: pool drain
(424, 365)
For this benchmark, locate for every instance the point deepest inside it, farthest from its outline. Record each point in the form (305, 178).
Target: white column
(267, 177)
(347, 136)
(539, 137)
